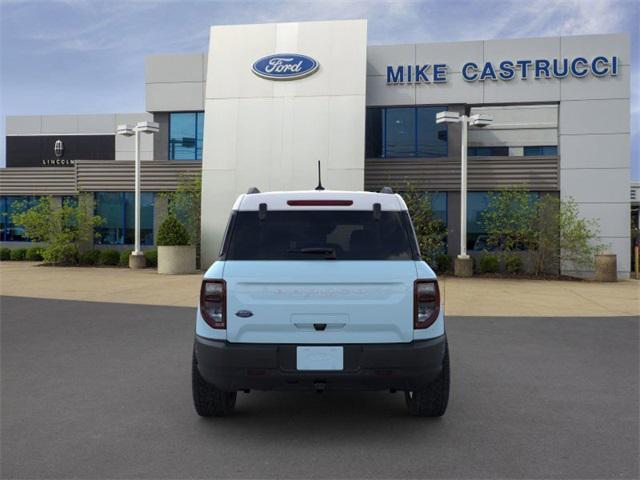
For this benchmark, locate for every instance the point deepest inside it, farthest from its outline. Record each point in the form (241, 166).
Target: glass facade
(405, 132)
(117, 211)
(488, 151)
(439, 205)
(544, 151)
(185, 135)
(10, 232)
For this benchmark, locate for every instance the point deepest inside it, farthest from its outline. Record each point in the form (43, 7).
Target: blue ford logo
(285, 66)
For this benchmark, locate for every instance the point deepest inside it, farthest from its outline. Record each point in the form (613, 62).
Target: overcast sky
(77, 56)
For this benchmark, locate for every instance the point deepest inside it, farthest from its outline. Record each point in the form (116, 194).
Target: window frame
(170, 152)
(416, 130)
(122, 214)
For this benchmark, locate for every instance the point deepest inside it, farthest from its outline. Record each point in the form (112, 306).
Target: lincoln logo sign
(285, 66)
(58, 148)
(541, 68)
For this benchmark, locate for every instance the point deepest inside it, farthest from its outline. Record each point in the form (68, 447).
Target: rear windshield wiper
(329, 253)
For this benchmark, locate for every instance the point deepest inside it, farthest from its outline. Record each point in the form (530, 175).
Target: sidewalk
(461, 296)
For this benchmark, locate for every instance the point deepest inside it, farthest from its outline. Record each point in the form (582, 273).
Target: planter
(606, 268)
(176, 260)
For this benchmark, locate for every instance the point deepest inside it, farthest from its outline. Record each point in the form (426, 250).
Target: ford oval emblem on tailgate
(244, 313)
(285, 66)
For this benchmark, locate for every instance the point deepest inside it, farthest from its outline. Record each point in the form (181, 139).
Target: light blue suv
(320, 290)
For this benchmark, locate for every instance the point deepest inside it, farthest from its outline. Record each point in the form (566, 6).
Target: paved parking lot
(102, 390)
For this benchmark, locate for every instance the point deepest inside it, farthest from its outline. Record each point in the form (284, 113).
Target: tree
(431, 232)
(172, 232)
(185, 203)
(62, 227)
(508, 219)
(579, 237)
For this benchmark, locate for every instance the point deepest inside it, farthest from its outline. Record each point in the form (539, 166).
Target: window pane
(307, 235)
(199, 134)
(477, 202)
(4, 216)
(488, 151)
(12, 205)
(531, 151)
(109, 206)
(400, 132)
(439, 205)
(182, 136)
(551, 150)
(146, 218)
(432, 137)
(373, 133)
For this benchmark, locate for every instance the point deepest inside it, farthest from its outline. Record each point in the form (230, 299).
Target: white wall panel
(591, 87)
(595, 151)
(97, 124)
(513, 138)
(610, 185)
(379, 56)
(521, 91)
(379, 93)
(455, 90)
(23, 124)
(55, 124)
(611, 218)
(594, 117)
(270, 134)
(175, 68)
(175, 97)
(521, 49)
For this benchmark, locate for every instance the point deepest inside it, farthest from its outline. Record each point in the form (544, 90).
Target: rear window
(320, 235)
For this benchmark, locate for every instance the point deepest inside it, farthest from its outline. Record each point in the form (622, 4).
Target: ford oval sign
(285, 66)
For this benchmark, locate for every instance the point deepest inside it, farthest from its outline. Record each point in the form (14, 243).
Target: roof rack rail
(253, 190)
(386, 190)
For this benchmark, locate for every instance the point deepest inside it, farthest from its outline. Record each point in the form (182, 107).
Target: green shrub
(430, 230)
(513, 263)
(172, 232)
(61, 227)
(18, 254)
(489, 263)
(61, 254)
(34, 254)
(443, 263)
(5, 253)
(124, 258)
(109, 257)
(152, 257)
(90, 257)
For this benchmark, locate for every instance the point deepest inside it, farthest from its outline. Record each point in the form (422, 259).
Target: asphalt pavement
(102, 390)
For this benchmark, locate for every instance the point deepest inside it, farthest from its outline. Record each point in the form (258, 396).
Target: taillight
(213, 303)
(426, 303)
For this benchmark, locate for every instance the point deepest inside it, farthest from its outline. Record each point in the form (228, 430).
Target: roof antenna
(319, 187)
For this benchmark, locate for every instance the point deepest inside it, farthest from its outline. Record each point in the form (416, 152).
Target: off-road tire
(432, 400)
(208, 400)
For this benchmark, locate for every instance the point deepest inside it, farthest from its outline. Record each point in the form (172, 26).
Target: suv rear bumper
(255, 366)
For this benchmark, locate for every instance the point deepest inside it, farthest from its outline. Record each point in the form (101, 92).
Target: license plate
(320, 358)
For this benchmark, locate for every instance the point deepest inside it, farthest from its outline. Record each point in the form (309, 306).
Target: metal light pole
(136, 259)
(463, 264)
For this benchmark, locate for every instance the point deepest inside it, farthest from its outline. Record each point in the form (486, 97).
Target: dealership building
(267, 101)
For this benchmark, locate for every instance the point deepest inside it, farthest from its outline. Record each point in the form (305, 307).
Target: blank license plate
(320, 358)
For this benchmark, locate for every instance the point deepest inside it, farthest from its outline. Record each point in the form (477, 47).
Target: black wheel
(432, 400)
(209, 400)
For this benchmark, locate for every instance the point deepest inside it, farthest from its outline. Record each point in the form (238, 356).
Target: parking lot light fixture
(477, 120)
(136, 260)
